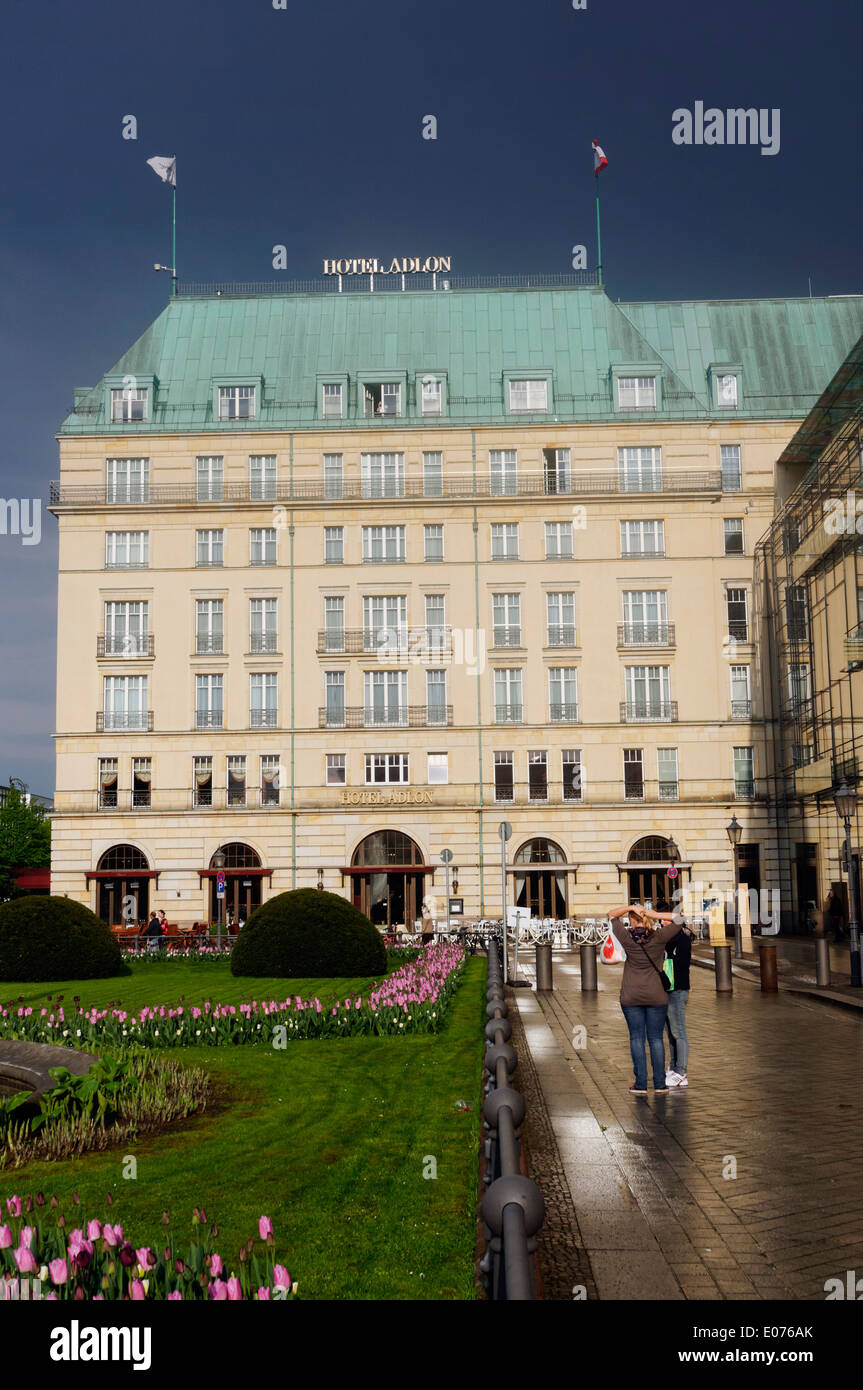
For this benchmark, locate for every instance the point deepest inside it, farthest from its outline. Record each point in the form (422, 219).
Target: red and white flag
(599, 159)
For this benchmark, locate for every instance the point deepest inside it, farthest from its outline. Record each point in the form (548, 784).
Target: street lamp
(218, 865)
(446, 860)
(734, 830)
(845, 801)
(673, 853)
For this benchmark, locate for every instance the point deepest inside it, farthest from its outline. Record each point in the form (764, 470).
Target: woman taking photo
(643, 994)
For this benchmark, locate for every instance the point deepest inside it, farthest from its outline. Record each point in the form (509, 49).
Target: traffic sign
(672, 872)
(446, 856)
(220, 884)
(504, 830)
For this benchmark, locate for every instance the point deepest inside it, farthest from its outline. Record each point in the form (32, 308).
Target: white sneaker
(671, 1078)
(681, 1080)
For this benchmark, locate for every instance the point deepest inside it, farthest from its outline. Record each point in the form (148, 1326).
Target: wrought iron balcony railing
(738, 628)
(566, 713)
(402, 717)
(744, 790)
(645, 634)
(506, 637)
(648, 712)
(209, 719)
(209, 644)
(263, 719)
(125, 644)
(741, 709)
(509, 714)
(561, 635)
(263, 642)
(140, 721)
(385, 641)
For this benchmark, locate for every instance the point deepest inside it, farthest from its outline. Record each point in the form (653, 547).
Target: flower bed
(97, 1261)
(414, 999)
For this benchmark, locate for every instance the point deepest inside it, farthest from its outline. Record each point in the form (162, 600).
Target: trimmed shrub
(45, 938)
(307, 933)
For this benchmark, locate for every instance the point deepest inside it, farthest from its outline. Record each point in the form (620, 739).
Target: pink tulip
(265, 1226)
(235, 1292)
(94, 1229)
(59, 1271)
(27, 1234)
(175, 1297)
(5, 1237)
(138, 1294)
(146, 1258)
(52, 1297)
(281, 1277)
(13, 1206)
(263, 1294)
(215, 1265)
(25, 1261)
(219, 1291)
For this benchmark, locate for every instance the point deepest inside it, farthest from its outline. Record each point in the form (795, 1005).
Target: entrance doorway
(541, 889)
(124, 899)
(242, 890)
(806, 867)
(388, 890)
(647, 870)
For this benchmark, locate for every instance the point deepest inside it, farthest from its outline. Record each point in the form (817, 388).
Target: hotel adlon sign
(399, 265)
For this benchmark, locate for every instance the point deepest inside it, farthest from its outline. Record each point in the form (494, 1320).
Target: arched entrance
(124, 897)
(242, 889)
(388, 889)
(647, 869)
(542, 889)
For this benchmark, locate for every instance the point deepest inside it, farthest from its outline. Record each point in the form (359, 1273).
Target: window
(262, 545)
(738, 621)
(726, 391)
(642, 537)
(666, 771)
(385, 698)
(799, 686)
(383, 545)
(573, 789)
(558, 540)
(733, 535)
(382, 398)
(741, 699)
(435, 634)
(385, 622)
(125, 702)
(387, 767)
(640, 470)
(128, 405)
(633, 774)
(262, 478)
(504, 541)
(334, 623)
(209, 625)
(236, 402)
(729, 455)
(128, 480)
(556, 467)
(236, 770)
(270, 779)
(537, 776)
(263, 625)
(744, 772)
(334, 545)
(263, 700)
(560, 618)
(431, 396)
(208, 701)
(331, 400)
(436, 710)
(433, 543)
(645, 617)
(211, 479)
(796, 612)
(648, 692)
(335, 708)
(383, 475)
(636, 392)
(503, 778)
(528, 395)
(503, 472)
(142, 777)
(210, 549)
(127, 628)
(336, 774)
(334, 476)
(508, 707)
(438, 769)
(562, 694)
(506, 619)
(127, 550)
(432, 474)
(202, 791)
(107, 783)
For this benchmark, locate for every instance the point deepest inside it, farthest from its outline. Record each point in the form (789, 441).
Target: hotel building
(348, 578)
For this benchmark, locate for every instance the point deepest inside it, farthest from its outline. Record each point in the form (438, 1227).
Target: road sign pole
(504, 830)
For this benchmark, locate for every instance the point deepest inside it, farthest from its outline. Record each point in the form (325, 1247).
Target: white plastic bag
(612, 953)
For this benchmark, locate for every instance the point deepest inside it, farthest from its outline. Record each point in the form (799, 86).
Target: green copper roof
(786, 351)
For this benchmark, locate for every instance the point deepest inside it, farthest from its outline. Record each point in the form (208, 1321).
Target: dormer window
(236, 402)
(431, 395)
(636, 392)
(331, 400)
(128, 405)
(528, 395)
(726, 385)
(382, 398)
(726, 391)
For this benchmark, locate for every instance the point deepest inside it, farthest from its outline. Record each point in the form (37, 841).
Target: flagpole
(598, 237)
(174, 234)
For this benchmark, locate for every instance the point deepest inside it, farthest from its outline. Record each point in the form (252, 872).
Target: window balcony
(744, 790)
(508, 714)
(137, 721)
(566, 713)
(561, 636)
(209, 719)
(738, 628)
(648, 712)
(209, 644)
(507, 637)
(237, 798)
(741, 709)
(141, 799)
(125, 644)
(420, 642)
(400, 717)
(645, 635)
(669, 791)
(263, 719)
(504, 793)
(854, 646)
(633, 792)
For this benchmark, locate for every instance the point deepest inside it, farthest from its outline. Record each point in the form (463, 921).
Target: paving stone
(633, 1275)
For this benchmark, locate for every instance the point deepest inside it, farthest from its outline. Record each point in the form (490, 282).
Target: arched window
(540, 851)
(648, 850)
(238, 856)
(123, 859)
(387, 847)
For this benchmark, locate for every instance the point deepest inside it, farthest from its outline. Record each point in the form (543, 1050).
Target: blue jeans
(677, 1030)
(645, 1023)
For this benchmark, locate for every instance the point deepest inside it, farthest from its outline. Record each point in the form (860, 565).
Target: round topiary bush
(45, 938)
(308, 932)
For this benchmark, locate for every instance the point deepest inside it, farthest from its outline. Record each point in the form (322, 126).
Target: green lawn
(330, 1139)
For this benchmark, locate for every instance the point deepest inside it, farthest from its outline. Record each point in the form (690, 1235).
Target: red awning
(390, 869)
(35, 880)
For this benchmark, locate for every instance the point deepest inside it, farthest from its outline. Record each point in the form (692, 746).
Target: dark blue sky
(303, 127)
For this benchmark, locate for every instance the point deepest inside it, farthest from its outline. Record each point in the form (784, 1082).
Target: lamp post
(446, 860)
(845, 801)
(734, 830)
(218, 865)
(673, 853)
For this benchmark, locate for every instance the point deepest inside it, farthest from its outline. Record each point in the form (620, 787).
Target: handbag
(667, 977)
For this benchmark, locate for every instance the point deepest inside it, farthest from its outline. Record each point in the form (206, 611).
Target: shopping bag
(612, 953)
(668, 969)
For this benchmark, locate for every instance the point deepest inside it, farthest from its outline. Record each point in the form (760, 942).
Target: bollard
(587, 954)
(544, 980)
(722, 958)
(767, 950)
(822, 960)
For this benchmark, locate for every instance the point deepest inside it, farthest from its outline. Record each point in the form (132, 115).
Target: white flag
(166, 167)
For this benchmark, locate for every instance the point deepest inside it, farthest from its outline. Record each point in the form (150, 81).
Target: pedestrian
(643, 989)
(835, 915)
(153, 931)
(679, 952)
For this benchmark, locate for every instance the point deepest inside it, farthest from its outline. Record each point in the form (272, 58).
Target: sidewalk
(641, 1198)
(795, 969)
